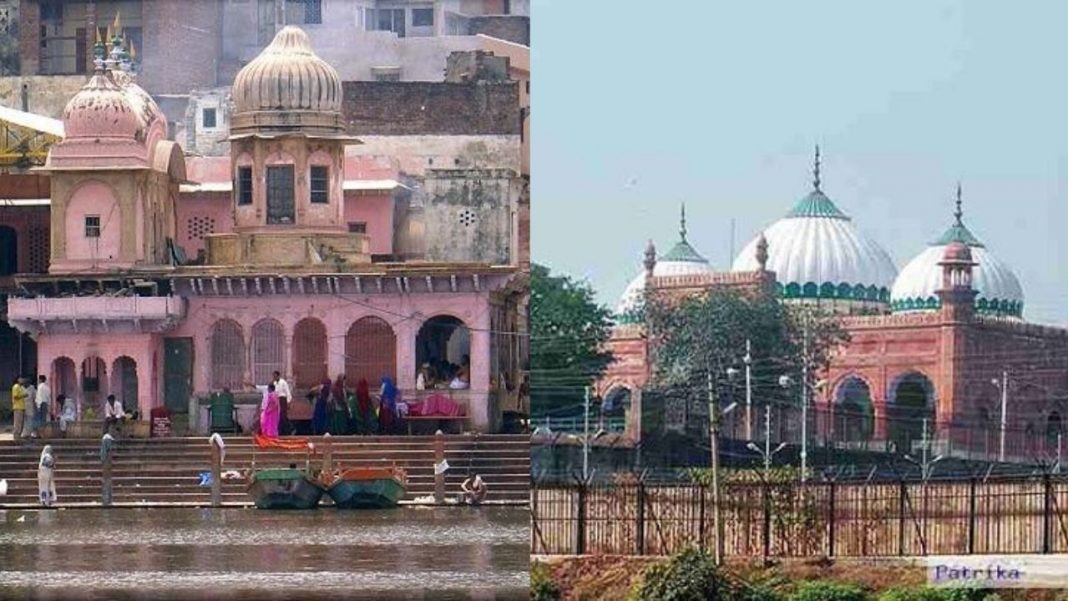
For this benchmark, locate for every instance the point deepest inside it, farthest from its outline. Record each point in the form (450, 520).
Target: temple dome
(101, 109)
(682, 259)
(817, 252)
(287, 87)
(999, 291)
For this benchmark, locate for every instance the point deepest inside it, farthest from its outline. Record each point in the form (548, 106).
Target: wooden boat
(284, 488)
(368, 488)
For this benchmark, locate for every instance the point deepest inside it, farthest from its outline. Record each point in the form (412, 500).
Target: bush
(938, 594)
(828, 591)
(688, 576)
(542, 587)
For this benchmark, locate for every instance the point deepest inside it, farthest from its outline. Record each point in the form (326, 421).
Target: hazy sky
(639, 106)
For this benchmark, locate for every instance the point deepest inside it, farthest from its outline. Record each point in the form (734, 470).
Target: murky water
(408, 553)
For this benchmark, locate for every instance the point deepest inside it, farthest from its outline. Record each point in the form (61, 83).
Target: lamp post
(785, 381)
(714, 417)
(767, 453)
(1003, 384)
(748, 359)
(586, 437)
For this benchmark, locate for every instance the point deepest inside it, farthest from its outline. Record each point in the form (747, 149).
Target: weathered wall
(471, 215)
(414, 155)
(47, 94)
(417, 108)
(513, 28)
(182, 43)
(197, 139)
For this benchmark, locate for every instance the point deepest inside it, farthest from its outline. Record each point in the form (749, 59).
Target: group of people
(33, 407)
(442, 374)
(336, 409)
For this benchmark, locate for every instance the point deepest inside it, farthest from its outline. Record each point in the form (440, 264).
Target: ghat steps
(166, 471)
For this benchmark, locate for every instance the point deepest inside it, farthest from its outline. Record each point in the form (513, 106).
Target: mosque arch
(227, 355)
(309, 352)
(912, 401)
(853, 410)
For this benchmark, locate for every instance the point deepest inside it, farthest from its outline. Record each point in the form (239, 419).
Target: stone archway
(94, 385)
(309, 353)
(853, 411)
(64, 377)
(911, 404)
(124, 382)
(443, 343)
(370, 351)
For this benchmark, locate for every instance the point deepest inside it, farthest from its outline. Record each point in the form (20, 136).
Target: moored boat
(368, 488)
(285, 488)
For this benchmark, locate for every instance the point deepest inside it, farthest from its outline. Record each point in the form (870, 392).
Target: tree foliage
(568, 334)
(699, 336)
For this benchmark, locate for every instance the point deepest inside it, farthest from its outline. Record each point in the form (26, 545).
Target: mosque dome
(682, 259)
(101, 109)
(999, 291)
(817, 252)
(287, 87)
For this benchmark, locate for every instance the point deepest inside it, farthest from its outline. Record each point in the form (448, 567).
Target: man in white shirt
(114, 412)
(42, 402)
(31, 410)
(284, 394)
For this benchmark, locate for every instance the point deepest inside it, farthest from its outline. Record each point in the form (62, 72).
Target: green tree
(705, 334)
(568, 331)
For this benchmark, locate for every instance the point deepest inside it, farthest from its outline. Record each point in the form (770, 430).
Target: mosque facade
(308, 260)
(940, 345)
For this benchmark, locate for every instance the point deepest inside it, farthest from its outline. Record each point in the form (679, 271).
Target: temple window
(357, 227)
(207, 118)
(244, 185)
(320, 175)
(422, 17)
(92, 226)
(280, 207)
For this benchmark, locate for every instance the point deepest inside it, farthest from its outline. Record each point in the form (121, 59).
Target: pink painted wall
(376, 210)
(93, 198)
(200, 213)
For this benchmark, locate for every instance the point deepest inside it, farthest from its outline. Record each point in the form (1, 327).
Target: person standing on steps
(30, 430)
(46, 485)
(284, 394)
(42, 404)
(18, 406)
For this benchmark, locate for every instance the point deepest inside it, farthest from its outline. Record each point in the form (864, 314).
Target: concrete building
(308, 259)
(940, 345)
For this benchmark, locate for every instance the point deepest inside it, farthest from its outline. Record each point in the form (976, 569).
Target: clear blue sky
(639, 106)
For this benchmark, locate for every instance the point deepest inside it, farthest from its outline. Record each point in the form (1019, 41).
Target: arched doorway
(94, 382)
(309, 352)
(268, 350)
(853, 415)
(911, 404)
(9, 251)
(614, 409)
(64, 377)
(370, 351)
(443, 343)
(227, 355)
(124, 382)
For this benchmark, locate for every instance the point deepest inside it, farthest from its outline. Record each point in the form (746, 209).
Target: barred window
(309, 352)
(268, 350)
(244, 185)
(92, 226)
(320, 175)
(227, 355)
(370, 351)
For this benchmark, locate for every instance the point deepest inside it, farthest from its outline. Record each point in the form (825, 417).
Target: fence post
(580, 522)
(830, 519)
(972, 514)
(1047, 512)
(767, 521)
(902, 491)
(640, 519)
(105, 470)
(534, 529)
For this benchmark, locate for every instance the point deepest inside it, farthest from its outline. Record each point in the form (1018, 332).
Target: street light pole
(1004, 413)
(767, 441)
(804, 404)
(586, 439)
(748, 391)
(717, 518)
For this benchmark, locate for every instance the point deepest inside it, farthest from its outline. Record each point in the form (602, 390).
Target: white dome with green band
(999, 292)
(682, 259)
(817, 252)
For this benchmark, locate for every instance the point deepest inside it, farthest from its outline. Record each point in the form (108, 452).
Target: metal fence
(854, 519)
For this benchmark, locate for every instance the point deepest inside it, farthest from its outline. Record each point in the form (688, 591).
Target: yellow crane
(25, 138)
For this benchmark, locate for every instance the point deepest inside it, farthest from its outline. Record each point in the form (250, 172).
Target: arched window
(227, 355)
(443, 343)
(309, 352)
(370, 351)
(911, 405)
(64, 377)
(124, 381)
(268, 350)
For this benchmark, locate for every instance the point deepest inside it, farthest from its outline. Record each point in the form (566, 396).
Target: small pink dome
(100, 110)
(957, 252)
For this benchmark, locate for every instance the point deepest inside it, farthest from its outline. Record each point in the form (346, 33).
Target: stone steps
(167, 471)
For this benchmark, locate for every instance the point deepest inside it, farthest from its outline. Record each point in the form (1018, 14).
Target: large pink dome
(100, 110)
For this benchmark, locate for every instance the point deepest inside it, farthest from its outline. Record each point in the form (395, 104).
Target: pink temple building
(171, 277)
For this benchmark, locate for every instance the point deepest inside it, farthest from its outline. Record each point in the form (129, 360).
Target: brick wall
(411, 108)
(183, 43)
(513, 28)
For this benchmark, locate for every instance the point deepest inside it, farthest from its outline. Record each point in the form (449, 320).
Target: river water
(246, 554)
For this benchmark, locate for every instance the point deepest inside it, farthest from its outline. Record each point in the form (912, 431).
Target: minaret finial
(816, 169)
(682, 223)
(958, 213)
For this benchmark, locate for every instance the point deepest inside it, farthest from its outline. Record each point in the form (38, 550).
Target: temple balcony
(96, 314)
(287, 248)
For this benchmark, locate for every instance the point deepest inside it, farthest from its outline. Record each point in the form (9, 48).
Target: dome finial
(816, 169)
(958, 213)
(682, 223)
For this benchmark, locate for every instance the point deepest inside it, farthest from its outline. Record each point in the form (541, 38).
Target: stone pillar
(335, 345)
(484, 405)
(405, 333)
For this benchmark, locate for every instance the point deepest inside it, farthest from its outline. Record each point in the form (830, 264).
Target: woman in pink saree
(271, 414)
